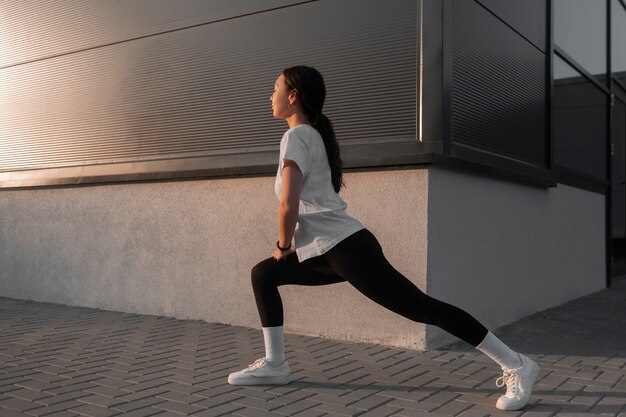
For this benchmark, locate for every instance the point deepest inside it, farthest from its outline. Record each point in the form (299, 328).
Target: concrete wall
(185, 249)
(502, 250)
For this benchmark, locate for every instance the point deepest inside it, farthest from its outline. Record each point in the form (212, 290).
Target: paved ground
(58, 361)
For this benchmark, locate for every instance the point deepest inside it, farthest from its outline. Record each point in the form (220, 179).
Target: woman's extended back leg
(360, 260)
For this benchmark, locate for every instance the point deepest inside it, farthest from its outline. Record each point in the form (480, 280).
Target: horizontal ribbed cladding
(38, 29)
(527, 17)
(206, 90)
(498, 87)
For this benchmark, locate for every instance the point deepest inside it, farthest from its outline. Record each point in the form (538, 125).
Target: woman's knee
(261, 272)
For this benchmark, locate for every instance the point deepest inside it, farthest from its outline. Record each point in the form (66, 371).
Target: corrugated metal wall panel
(498, 88)
(205, 90)
(38, 29)
(528, 17)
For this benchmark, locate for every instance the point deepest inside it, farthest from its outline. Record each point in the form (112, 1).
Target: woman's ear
(293, 94)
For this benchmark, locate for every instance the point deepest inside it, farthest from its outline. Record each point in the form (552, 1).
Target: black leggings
(359, 260)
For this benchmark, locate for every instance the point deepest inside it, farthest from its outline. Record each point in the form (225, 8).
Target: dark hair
(312, 92)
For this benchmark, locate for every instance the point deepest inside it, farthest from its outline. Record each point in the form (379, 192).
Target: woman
(307, 184)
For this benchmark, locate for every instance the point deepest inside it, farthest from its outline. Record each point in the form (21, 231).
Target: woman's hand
(282, 255)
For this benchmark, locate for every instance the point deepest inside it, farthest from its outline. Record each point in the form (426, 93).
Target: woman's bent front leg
(269, 274)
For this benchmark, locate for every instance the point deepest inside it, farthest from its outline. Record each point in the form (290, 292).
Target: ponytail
(325, 128)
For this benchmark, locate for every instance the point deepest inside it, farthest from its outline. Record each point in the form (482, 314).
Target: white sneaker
(519, 384)
(262, 373)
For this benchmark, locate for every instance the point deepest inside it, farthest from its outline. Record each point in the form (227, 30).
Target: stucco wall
(185, 249)
(503, 250)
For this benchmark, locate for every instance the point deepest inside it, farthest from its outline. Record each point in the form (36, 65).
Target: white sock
(499, 352)
(274, 344)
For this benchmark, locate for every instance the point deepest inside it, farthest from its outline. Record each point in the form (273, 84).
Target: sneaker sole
(283, 380)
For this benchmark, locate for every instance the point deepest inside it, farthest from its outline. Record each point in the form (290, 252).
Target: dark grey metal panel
(498, 87)
(432, 71)
(205, 90)
(528, 17)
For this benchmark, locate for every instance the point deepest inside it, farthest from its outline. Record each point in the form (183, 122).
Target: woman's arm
(289, 202)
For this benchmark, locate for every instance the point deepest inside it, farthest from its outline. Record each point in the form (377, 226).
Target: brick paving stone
(179, 397)
(612, 377)
(115, 374)
(10, 413)
(45, 410)
(148, 377)
(189, 379)
(94, 411)
(28, 394)
(147, 385)
(101, 400)
(177, 407)
(18, 404)
(106, 391)
(34, 385)
(218, 400)
(63, 414)
(137, 404)
(310, 413)
(211, 391)
(68, 386)
(370, 402)
(356, 377)
(254, 412)
(441, 397)
(256, 392)
(282, 389)
(413, 413)
(363, 391)
(473, 398)
(295, 407)
(337, 410)
(182, 388)
(420, 380)
(8, 382)
(474, 411)
(410, 405)
(114, 383)
(610, 405)
(382, 411)
(292, 397)
(138, 395)
(332, 399)
(452, 408)
(257, 404)
(220, 410)
(144, 412)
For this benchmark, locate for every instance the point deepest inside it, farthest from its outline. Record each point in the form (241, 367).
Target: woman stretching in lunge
(333, 247)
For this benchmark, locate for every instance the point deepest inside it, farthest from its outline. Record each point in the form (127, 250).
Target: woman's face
(280, 99)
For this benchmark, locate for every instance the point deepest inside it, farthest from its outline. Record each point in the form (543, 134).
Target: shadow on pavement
(592, 325)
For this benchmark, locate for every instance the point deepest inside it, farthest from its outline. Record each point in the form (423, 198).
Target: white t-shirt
(322, 220)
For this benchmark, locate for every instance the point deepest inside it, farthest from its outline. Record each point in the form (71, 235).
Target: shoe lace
(510, 379)
(259, 363)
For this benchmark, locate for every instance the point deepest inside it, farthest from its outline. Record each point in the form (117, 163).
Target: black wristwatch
(282, 249)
